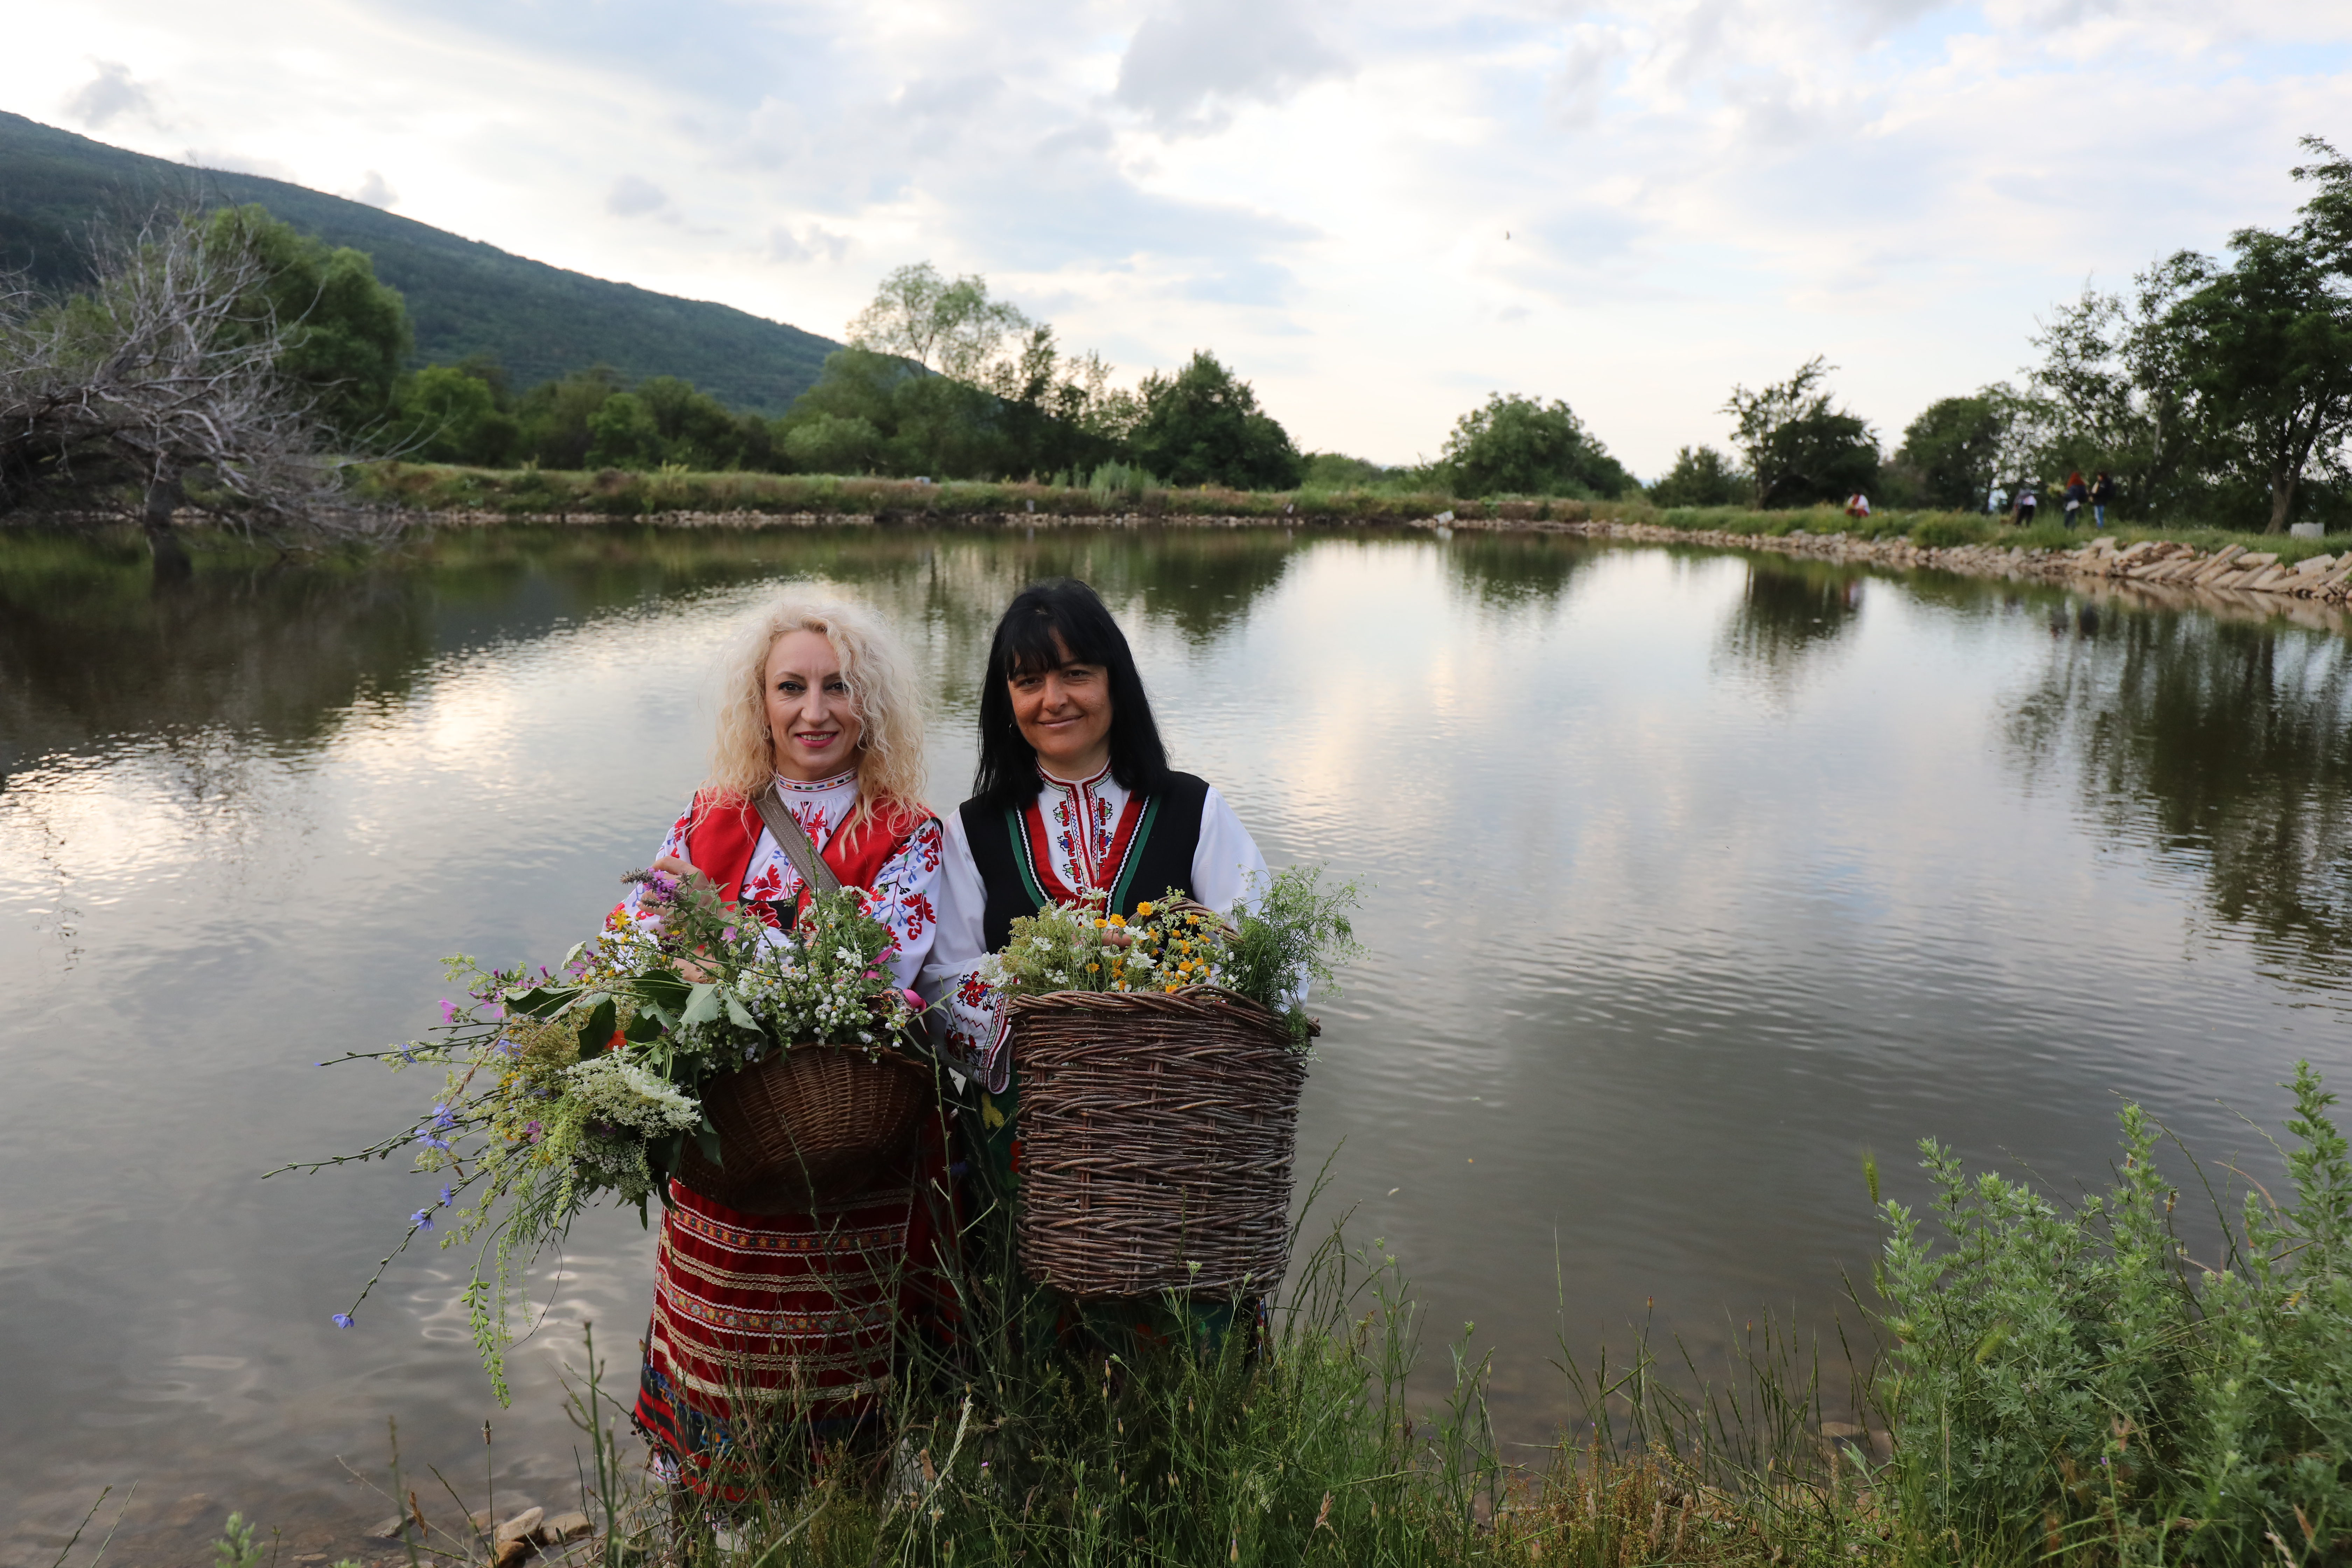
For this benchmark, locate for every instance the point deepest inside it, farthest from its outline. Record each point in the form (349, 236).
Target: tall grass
(2061, 1384)
(1298, 1446)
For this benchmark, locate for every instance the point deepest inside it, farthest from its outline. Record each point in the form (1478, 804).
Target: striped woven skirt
(779, 1329)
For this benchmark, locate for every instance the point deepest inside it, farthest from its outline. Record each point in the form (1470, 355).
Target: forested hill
(464, 296)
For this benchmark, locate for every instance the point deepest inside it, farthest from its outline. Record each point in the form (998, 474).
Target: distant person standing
(2028, 503)
(1857, 506)
(2102, 496)
(2077, 494)
(1996, 502)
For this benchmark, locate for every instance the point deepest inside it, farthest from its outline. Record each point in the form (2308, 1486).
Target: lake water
(1692, 875)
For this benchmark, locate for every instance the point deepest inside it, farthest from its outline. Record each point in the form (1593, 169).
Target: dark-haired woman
(1073, 795)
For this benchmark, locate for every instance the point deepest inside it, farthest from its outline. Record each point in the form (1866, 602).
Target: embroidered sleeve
(969, 1016)
(905, 895)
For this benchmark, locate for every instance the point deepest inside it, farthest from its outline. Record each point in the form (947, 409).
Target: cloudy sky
(1377, 212)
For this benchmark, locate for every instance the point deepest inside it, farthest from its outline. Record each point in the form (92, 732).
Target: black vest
(1159, 857)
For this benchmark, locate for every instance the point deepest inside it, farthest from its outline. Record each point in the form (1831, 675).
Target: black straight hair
(1050, 624)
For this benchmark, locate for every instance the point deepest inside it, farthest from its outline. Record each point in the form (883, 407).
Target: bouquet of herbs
(1279, 939)
(563, 1087)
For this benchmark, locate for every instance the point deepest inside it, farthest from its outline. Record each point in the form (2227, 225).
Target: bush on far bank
(1116, 491)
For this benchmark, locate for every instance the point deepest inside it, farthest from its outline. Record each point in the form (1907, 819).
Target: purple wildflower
(341, 1319)
(421, 1220)
(449, 1195)
(449, 1010)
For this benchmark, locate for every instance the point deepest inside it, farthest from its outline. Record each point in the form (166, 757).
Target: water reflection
(1509, 571)
(2222, 743)
(1790, 609)
(91, 647)
(1652, 958)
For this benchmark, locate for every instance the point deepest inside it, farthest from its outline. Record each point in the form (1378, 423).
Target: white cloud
(1191, 62)
(375, 192)
(1697, 192)
(107, 97)
(632, 196)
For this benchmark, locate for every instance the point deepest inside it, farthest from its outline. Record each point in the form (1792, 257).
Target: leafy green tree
(443, 415)
(923, 424)
(1951, 454)
(346, 335)
(2212, 390)
(833, 443)
(1520, 446)
(1701, 476)
(1337, 471)
(1059, 410)
(622, 434)
(554, 415)
(1800, 451)
(947, 324)
(1201, 426)
(2267, 350)
(695, 429)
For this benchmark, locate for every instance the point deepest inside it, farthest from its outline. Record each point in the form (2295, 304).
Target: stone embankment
(2233, 577)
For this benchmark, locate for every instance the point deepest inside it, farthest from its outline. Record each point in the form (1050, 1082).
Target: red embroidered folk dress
(795, 1312)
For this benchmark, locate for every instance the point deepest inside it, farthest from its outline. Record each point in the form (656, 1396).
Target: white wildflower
(614, 1090)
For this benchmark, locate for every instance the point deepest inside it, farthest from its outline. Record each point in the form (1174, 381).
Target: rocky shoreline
(2230, 580)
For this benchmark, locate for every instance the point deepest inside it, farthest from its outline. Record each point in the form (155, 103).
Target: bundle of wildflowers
(564, 1086)
(1280, 938)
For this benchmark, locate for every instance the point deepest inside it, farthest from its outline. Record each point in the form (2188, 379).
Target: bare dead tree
(162, 381)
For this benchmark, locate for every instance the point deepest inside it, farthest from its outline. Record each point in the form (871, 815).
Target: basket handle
(794, 840)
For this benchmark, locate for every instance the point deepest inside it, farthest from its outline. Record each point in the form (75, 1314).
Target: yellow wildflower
(1118, 920)
(1143, 909)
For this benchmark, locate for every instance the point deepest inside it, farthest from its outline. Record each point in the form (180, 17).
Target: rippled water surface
(1693, 875)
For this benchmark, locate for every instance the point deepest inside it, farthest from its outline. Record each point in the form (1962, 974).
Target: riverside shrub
(2068, 1381)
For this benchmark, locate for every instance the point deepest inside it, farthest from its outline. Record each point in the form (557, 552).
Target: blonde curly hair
(882, 682)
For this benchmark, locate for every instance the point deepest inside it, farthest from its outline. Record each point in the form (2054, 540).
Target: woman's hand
(684, 870)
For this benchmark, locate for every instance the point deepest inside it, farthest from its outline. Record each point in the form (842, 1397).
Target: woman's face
(1065, 715)
(811, 719)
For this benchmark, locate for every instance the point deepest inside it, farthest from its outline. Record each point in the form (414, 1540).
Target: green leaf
(544, 1000)
(708, 1137)
(665, 991)
(598, 1029)
(643, 1025)
(702, 1005)
(741, 1015)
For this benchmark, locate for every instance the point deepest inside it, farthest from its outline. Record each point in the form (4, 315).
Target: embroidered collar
(816, 786)
(1096, 777)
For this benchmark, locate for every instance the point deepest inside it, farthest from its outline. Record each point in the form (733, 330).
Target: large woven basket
(1157, 1134)
(812, 1124)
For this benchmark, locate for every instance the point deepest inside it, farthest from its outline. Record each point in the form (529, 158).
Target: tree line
(2215, 390)
(227, 361)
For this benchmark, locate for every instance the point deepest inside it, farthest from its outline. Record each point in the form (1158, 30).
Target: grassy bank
(616, 494)
(619, 495)
(2062, 1383)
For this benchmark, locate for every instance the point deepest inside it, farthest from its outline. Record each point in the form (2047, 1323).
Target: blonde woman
(793, 1314)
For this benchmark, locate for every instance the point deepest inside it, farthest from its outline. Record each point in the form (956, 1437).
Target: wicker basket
(814, 1123)
(1157, 1138)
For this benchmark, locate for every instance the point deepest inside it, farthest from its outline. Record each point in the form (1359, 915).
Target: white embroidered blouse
(1081, 820)
(906, 890)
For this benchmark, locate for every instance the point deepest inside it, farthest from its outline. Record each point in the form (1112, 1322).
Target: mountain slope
(464, 296)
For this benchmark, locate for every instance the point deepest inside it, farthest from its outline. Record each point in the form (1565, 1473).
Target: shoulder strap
(794, 840)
